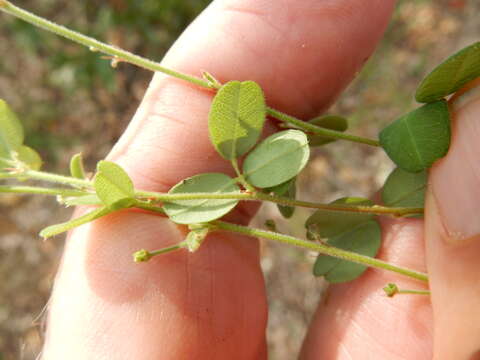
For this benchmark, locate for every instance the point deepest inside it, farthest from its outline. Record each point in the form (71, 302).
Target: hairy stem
(96, 45)
(247, 196)
(126, 56)
(40, 190)
(319, 130)
(321, 248)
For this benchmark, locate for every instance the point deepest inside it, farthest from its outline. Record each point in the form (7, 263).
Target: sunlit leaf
(113, 185)
(450, 75)
(236, 118)
(356, 232)
(416, 140)
(201, 210)
(277, 159)
(405, 189)
(29, 157)
(76, 167)
(332, 122)
(11, 131)
(63, 227)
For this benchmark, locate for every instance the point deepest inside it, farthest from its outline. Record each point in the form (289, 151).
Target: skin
(212, 304)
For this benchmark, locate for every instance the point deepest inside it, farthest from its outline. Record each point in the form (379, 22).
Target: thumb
(453, 236)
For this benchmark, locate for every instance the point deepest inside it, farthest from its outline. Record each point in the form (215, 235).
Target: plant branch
(40, 190)
(321, 248)
(126, 56)
(96, 45)
(247, 196)
(319, 130)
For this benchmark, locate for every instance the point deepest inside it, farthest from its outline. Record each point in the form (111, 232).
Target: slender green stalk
(125, 56)
(39, 190)
(145, 255)
(246, 196)
(96, 45)
(375, 209)
(414, 292)
(44, 176)
(319, 130)
(321, 248)
(392, 289)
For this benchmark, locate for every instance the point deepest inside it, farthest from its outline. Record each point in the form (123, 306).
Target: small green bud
(391, 289)
(142, 256)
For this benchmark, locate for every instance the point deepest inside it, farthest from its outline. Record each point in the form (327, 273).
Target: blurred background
(65, 95)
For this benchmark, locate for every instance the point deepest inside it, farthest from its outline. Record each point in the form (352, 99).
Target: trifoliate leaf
(201, 210)
(113, 185)
(450, 75)
(404, 189)
(356, 232)
(76, 167)
(332, 122)
(236, 118)
(63, 227)
(11, 131)
(416, 140)
(277, 159)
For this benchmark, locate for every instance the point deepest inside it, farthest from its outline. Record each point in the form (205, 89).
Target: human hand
(211, 305)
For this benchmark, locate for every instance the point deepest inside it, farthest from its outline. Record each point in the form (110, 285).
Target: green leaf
(11, 131)
(364, 239)
(277, 159)
(332, 122)
(28, 157)
(236, 118)
(76, 167)
(357, 232)
(326, 224)
(291, 193)
(280, 189)
(404, 189)
(63, 227)
(450, 75)
(113, 185)
(201, 210)
(416, 140)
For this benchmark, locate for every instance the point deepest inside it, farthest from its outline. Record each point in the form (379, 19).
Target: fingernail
(455, 180)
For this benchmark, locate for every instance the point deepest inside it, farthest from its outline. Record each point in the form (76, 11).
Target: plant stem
(319, 130)
(96, 45)
(247, 196)
(375, 209)
(67, 180)
(40, 190)
(126, 56)
(392, 289)
(321, 248)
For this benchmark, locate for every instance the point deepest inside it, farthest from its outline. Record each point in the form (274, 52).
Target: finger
(453, 237)
(210, 305)
(357, 320)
